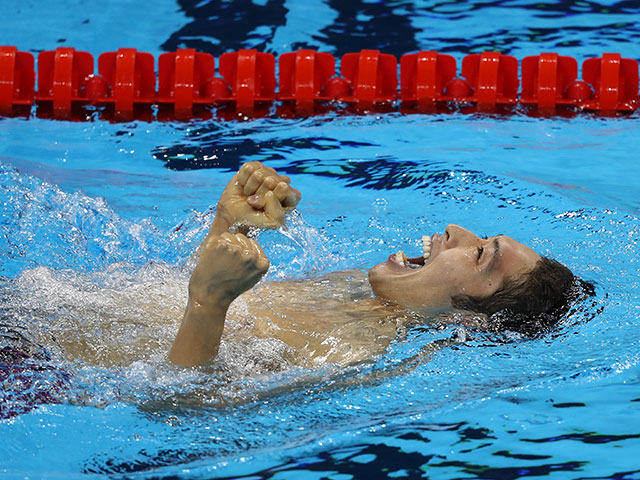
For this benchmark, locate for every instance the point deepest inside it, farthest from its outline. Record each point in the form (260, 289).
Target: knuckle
(221, 247)
(270, 182)
(281, 190)
(247, 168)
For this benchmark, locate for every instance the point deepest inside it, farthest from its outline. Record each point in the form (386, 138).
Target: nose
(456, 236)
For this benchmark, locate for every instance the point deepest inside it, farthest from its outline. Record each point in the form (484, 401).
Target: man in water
(457, 271)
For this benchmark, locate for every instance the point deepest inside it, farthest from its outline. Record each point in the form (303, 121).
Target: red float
(548, 81)
(494, 78)
(17, 79)
(62, 77)
(184, 80)
(303, 77)
(615, 83)
(373, 76)
(423, 78)
(251, 75)
(131, 77)
(429, 82)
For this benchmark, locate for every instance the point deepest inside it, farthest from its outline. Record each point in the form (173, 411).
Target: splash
(297, 250)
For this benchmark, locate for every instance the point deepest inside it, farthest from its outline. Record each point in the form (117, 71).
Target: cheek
(459, 273)
(453, 267)
(477, 285)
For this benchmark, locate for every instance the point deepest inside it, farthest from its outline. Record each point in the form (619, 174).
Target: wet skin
(230, 264)
(460, 263)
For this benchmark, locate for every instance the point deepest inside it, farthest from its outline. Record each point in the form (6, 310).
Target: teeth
(426, 247)
(401, 258)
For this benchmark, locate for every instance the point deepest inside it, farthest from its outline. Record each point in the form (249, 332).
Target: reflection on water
(77, 272)
(93, 284)
(400, 27)
(97, 334)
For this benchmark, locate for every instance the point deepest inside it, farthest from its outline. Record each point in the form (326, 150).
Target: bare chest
(333, 318)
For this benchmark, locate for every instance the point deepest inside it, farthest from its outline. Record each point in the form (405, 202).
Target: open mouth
(417, 262)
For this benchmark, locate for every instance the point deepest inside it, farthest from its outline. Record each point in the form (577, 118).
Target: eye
(446, 232)
(480, 252)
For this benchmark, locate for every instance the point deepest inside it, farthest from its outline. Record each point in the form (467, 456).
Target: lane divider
(126, 86)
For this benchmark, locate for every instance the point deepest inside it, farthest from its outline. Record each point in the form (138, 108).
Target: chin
(376, 280)
(393, 283)
(373, 276)
(384, 282)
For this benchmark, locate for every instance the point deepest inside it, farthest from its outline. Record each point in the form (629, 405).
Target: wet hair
(532, 303)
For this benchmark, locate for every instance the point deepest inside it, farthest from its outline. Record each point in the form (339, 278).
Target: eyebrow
(496, 254)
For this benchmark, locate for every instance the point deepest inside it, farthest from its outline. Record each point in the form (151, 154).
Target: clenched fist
(256, 196)
(228, 266)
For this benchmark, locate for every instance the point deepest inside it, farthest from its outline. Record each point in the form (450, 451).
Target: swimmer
(324, 322)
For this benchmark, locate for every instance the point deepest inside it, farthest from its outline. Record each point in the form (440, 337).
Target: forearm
(199, 336)
(220, 225)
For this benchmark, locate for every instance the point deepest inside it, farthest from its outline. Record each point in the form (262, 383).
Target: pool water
(100, 221)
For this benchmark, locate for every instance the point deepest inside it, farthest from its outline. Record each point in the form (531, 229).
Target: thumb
(257, 201)
(273, 209)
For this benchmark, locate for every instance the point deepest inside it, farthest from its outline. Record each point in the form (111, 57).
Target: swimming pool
(100, 220)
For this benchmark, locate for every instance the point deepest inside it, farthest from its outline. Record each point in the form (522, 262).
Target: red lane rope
(186, 86)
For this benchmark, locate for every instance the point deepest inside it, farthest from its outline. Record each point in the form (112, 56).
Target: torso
(333, 318)
(328, 319)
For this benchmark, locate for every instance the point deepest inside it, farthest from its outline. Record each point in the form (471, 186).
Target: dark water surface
(99, 222)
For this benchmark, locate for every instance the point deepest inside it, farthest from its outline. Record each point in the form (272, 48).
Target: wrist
(207, 309)
(220, 224)
(211, 299)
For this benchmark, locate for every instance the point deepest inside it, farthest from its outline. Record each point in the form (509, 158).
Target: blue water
(99, 222)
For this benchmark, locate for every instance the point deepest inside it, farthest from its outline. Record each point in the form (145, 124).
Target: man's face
(459, 263)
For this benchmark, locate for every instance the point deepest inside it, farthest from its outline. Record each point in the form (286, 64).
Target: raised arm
(230, 264)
